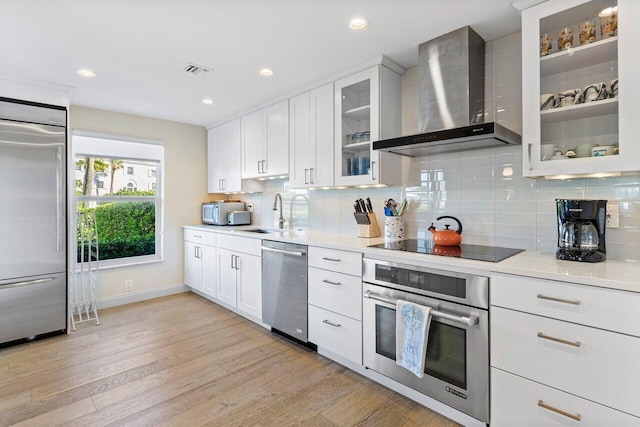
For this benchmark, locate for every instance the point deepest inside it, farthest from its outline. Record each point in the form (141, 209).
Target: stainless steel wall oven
(457, 360)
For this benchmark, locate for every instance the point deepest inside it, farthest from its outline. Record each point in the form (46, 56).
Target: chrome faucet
(275, 208)
(291, 207)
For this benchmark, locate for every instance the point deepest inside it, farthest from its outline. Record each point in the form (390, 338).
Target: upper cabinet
(575, 121)
(311, 133)
(224, 154)
(367, 108)
(265, 142)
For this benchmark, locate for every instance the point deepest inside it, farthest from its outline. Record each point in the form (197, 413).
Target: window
(128, 221)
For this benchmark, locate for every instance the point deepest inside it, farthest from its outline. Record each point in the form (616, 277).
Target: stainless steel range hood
(451, 100)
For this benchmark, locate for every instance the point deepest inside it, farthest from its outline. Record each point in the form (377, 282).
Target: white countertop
(622, 275)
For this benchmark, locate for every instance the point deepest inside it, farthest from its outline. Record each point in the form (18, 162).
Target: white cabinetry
(224, 160)
(367, 108)
(572, 350)
(240, 274)
(265, 142)
(200, 261)
(608, 121)
(311, 133)
(335, 302)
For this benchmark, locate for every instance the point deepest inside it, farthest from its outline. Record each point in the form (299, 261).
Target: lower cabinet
(516, 401)
(557, 359)
(338, 334)
(335, 302)
(200, 262)
(240, 274)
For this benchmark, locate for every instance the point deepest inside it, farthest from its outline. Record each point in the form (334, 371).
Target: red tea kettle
(447, 237)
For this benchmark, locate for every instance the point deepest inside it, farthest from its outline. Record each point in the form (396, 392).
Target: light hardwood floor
(185, 361)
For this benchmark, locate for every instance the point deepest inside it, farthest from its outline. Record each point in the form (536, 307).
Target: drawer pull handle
(331, 283)
(198, 236)
(566, 301)
(560, 340)
(576, 417)
(335, 325)
(331, 259)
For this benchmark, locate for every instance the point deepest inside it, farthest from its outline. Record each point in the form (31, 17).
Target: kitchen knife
(369, 205)
(363, 208)
(356, 207)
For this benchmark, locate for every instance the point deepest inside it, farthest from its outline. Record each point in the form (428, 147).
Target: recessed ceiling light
(608, 11)
(85, 72)
(207, 101)
(266, 72)
(357, 23)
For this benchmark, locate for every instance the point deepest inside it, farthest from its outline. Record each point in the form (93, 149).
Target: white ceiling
(138, 48)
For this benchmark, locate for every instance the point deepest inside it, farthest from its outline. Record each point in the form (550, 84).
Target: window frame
(99, 145)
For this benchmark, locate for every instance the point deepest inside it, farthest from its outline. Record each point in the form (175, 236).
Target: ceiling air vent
(196, 70)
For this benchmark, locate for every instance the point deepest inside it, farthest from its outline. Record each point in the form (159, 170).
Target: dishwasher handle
(283, 251)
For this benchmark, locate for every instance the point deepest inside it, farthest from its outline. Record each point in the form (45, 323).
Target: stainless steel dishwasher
(284, 288)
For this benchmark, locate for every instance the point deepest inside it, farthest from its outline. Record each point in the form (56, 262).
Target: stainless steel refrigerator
(33, 260)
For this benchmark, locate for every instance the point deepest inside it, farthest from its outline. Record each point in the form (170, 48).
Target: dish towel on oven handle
(412, 331)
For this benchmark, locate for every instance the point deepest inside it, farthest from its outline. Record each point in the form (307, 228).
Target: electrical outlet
(613, 215)
(128, 285)
(249, 207)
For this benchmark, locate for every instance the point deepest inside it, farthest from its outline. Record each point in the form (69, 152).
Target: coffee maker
(581, 225)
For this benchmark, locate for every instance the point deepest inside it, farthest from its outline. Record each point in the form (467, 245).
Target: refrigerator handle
(59, 198)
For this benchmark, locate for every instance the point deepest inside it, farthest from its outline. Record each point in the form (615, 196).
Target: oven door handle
(468, 321)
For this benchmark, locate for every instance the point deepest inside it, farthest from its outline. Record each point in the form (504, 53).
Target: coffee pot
(579, 235)
(581, 230)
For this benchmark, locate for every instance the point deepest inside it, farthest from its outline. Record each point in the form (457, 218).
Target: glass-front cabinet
(368, 108)
(575, 120)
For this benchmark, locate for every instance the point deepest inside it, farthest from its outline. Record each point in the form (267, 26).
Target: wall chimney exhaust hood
(451, 100)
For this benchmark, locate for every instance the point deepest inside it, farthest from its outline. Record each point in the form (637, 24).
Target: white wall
(185, 188)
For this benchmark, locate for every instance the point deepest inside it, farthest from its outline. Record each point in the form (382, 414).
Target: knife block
(371, 229)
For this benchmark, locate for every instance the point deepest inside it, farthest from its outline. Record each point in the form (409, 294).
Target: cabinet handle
(335, 325)
(529, 148)
(259, 163)
(372, 167)
(198, 236)
(237, 267)
(224, 184)
(331, 259)
(311, 180)
(565, 301)
(219, 184)
(232, 258)
(560, 340)
(264, 166)
(576, 417)
(306, 180)
(331, 283)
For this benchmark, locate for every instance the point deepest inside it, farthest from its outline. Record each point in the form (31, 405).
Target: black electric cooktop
(473, 252)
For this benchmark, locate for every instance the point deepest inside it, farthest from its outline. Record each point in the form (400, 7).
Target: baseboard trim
(140, 296)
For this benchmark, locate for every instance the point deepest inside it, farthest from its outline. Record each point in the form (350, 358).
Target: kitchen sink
(260, 230)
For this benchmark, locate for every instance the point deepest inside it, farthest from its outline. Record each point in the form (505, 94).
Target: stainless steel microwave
(216, 213)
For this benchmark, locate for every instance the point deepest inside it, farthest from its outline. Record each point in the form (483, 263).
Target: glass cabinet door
(356, 127)
(571, 79)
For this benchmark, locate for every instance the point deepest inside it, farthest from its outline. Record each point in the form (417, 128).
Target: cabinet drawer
(514, 402)
(600, 365)
(199, 236)
(245, 245)
(600, 307)
(336, 260)
(338, 334)
(340, 293)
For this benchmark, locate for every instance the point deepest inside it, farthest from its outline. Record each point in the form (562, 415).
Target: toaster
(216, 213)
(239, 218)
